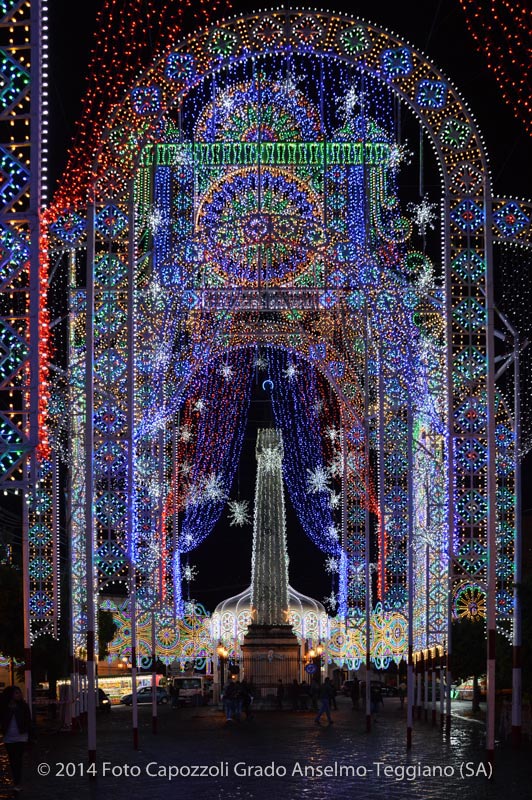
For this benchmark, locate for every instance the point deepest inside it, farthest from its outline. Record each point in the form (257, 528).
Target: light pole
(222, 656)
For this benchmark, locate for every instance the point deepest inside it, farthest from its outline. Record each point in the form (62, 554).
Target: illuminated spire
(269, 587)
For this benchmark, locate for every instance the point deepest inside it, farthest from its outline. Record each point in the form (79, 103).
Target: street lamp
(319, 651)
(222, 655)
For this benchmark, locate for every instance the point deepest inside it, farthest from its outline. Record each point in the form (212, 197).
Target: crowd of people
(238, 697)
(313, 695)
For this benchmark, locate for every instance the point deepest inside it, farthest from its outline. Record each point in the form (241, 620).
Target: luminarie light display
(245, 205)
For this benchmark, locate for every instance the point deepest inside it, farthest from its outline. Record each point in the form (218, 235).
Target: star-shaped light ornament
(185, 434)
(238, 513)
(214, 488)
(318, 480)
(332, 533)
(331, 565)
(156, 220)
(226, 371)
(330, 602)
(399, 154)
(424, 215)
(335, 499)
(260, 363)
(290, 372)
(332, 433)
(270, 458)
(351, 101)
(190, 573)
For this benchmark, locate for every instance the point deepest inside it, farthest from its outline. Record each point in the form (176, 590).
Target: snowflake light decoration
(199, 405)
(156, 219)
(332, 533)
(188, 539)
(331, 565)
(318, 480)
(350, 101)
(155, 291)
(190, 608)
(399, 154)
(332, 433)
(270, 458)
(330, 602)
(238, 513)
(423, 215)
(289, 83)
(190, 572)
(290, 372)
(181, 157)
(185, 434)
(336, 467)
(185, 468)
(214, 488)
(155, 488)
(227, 101)
(226, 371)
(334, 499)
(194, 496)
(260, 363)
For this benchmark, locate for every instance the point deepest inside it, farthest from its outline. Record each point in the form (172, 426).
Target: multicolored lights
(247, 217)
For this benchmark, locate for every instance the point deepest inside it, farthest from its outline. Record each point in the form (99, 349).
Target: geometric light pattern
(246, 240)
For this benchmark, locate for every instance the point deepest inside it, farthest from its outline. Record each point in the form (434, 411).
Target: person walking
(355, 693)
(16, 726)
(229, 699)
(325, 695)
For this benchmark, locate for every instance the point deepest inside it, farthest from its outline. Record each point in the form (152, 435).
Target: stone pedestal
(270, 653)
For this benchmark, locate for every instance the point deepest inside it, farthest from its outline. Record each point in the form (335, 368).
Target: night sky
(436, 28)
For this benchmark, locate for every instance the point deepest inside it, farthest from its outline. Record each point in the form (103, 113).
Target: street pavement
(275, 754)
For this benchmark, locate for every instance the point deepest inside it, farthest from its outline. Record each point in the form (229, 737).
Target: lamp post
(222, 656)
(319, 652)
(314, 657)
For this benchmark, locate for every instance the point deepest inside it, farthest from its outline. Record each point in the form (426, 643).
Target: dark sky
(436, 27)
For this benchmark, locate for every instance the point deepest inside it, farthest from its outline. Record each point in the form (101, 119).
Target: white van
(193, 690)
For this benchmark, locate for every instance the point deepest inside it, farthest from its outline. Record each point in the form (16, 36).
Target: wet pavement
(275, 754)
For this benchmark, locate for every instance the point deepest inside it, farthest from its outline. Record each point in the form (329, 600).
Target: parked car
(104, 701)
(144, 696)
(389, 691)
(346, 688)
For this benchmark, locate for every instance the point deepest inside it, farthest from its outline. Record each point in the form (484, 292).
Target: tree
(525, 595)
(106, 631)
(469, 652)
(11, 613)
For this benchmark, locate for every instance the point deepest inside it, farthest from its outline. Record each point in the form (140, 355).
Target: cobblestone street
(340, 761)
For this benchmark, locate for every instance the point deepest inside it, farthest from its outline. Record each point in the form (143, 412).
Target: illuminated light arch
(150, 109)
